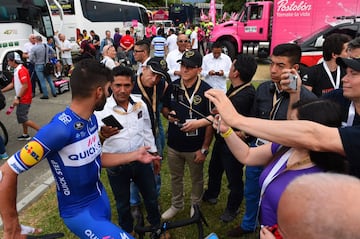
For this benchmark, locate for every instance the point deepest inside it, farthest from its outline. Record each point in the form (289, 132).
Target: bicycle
(157, 232)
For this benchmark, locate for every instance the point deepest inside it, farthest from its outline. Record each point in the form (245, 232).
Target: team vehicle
(19, 19)
(98, 15)
(262, 25)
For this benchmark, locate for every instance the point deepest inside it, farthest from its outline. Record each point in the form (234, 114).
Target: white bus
(19, 19)
(98, 15)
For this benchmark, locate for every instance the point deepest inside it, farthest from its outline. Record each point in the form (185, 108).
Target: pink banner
(212, 12)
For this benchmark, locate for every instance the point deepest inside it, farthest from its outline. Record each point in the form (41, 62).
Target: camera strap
(276, 104)
(151, 101)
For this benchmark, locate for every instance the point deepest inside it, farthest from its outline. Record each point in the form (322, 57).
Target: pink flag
(212, 11)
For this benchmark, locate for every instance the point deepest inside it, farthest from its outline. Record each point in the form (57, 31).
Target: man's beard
(100, 104)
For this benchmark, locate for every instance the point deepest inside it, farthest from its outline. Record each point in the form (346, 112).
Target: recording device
(172, 115)
(177, 123)
(111, 121)
(293, 81)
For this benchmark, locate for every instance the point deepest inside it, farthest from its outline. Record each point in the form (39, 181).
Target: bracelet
(227, 133)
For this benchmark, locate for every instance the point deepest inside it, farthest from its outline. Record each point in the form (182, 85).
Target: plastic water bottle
(10, 109)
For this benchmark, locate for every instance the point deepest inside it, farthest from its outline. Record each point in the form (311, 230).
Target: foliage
(231, 5)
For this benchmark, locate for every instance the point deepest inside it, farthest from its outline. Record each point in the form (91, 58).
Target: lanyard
(337, 84)
(238, 90)
(146, 96)
(276, 105)
(190, 99)
(274, 172)
(351, 116)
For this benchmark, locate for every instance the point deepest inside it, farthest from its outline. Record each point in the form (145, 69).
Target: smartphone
(112, 121)
(293, 81)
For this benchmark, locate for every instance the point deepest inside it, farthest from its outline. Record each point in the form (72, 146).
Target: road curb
(34, 195)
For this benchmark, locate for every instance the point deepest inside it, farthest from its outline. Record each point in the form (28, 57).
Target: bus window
(105, 12)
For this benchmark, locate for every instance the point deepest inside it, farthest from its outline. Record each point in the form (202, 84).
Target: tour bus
(19, 19)
(98, 15)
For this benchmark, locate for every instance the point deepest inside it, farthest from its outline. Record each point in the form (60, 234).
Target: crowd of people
(291, 141)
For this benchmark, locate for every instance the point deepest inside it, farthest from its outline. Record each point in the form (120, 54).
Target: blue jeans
(252, 196)
(223, 160)
(143, 177)
(39, 69)
(135, 199)
(33, 76)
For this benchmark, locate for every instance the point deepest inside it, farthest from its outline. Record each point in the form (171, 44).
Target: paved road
(41, 112)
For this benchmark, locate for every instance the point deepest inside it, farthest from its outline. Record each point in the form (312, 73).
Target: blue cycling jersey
(72, 147)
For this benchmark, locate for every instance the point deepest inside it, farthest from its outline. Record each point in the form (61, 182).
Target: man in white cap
(23, 94)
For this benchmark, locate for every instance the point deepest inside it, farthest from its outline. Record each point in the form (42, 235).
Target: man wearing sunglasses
(175, 55)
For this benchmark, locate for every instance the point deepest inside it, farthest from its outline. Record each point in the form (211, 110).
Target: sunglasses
(183, 41)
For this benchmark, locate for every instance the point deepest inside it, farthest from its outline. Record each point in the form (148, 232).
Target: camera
(293, 81)
(217, 73)
(178, 93)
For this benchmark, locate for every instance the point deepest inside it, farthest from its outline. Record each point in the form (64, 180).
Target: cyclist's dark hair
(87, 75)
(334, 43)
(144, 45)
(290, 50)
(328, 113)
(122, 71)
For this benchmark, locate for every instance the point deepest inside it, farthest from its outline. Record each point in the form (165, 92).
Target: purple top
(272, 194)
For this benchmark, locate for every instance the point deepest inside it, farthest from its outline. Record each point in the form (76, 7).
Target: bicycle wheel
(3, 133)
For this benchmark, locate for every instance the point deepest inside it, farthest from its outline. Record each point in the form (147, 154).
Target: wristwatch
(204, 151)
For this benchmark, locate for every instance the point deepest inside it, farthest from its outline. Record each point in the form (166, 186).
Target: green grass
(44, 212)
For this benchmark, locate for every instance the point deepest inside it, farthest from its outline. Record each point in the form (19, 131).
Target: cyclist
(72, 146)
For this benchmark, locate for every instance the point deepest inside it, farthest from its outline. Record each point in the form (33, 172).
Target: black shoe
(238, 232)
(212, 201)
(228, 215)
(44, 97)
(54, 95)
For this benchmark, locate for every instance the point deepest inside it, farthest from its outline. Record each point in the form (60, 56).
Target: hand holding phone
(112, 121)
(293, 81)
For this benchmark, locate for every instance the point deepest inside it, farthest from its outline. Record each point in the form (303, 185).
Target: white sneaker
(170, 213)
